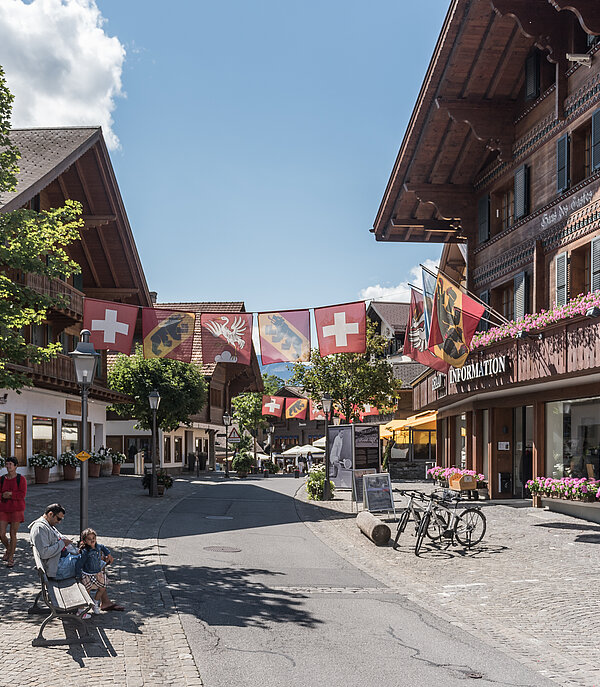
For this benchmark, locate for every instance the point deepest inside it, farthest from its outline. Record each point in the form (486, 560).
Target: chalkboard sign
(357, 494)
(377, 492)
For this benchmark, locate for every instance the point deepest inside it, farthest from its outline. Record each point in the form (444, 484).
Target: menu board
(357, 493)
(377, 492)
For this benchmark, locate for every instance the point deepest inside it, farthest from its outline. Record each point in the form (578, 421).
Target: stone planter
(116, 469)
(69, 472)
(94, 469)
(42, 475)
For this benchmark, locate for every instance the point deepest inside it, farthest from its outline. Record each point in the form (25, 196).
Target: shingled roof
(393, 314)
(45, 154)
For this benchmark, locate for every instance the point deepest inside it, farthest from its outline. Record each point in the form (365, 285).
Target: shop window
(43, 435)
(521, 190)
(483, 218)
(178, 449)
(579, 261)
(167, 450)
(562, 164)
(70, 438)
(503, 300)
(4, 433)
(561, 276)
(580, 153)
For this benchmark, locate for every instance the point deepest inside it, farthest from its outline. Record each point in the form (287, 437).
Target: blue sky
(252, 141)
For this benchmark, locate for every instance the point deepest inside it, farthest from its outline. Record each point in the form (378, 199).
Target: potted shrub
(163, 481)
(315, 484)
(70, 462)
(41, 463)
(242, 464)
(271, 467)
(95, 461)
(117, 459)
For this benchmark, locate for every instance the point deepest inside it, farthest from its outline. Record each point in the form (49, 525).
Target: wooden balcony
(72, 298)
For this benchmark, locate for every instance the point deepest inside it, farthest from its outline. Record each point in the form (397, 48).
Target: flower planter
(116, 469)
(69, 472)
(536, 501)
(161, 489)
(42, 475)
(93, 469)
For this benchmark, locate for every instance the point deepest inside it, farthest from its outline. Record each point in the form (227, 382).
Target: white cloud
(401, 292)
(60, 65)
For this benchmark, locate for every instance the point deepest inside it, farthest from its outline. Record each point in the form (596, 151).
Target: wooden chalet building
(500, 164)
(55, 165)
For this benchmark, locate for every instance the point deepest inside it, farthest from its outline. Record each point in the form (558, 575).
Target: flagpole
(487, 306)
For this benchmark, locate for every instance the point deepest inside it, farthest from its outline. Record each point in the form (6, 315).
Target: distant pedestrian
(13, 488)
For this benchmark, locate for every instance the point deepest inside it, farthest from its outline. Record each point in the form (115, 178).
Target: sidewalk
(530, 589)
(146, 644)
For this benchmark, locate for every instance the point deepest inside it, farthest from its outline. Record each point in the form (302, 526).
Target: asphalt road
(265, 602)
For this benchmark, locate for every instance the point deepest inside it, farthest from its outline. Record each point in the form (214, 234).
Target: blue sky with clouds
(252, 141)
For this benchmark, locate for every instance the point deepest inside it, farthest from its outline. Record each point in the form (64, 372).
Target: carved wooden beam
(491, 121)
(586, 12)
(432, 224)
(91, 221)
(111, 293)
(452, 201)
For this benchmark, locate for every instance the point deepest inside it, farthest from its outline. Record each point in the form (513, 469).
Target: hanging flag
(316, 412)
(415, 341)
(273, 405)
(168, 334)
(454, 320)
(368, 409)
(226, 337)
(284, 336)
(111, 325)
(295, 408)
(342, 328)
(428, 280)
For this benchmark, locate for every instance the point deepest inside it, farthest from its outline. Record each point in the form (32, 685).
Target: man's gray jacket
(48, 542)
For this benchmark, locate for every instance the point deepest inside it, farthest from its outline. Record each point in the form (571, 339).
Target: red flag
(273, 405)
(415, 341)
(316, 412)
(368, 409)
(111, 325)
(168, 334)
(284, 336)
(454, 320)
(342, 328)
(295, 408)
(226, 337)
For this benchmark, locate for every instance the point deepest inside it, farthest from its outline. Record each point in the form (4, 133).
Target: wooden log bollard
(377, 531)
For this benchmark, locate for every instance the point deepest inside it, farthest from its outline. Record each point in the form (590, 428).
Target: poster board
(367, 445)
(377, 493)
(358, 491)
(341, 455)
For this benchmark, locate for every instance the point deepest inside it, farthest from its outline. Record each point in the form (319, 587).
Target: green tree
(181, 387)
(30, 243)
(247, 407)
(351, 379)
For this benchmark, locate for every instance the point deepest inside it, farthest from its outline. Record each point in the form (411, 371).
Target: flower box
(463, 482)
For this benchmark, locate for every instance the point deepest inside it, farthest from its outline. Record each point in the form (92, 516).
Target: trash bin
(138, 462)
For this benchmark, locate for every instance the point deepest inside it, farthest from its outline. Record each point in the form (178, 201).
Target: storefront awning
(394, 425)
(383, 433)
(421, 421)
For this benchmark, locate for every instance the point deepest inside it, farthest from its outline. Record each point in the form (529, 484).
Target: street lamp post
(226, 422)
(85, 359)
(326, 405)
(154, 401)
(271, 432)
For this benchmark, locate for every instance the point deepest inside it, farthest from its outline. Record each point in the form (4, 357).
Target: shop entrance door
(523, 449)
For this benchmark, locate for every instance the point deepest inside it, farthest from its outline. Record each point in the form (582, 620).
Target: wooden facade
(501, 164)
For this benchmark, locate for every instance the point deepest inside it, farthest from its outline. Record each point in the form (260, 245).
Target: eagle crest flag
(226, 337)
(415, 342)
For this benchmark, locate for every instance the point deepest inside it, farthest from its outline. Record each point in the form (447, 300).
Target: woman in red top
(13, 488)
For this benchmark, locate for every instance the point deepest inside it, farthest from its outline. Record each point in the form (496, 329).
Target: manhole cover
(222, 549)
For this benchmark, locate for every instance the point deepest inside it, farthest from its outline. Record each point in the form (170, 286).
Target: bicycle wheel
(438, 524)
(402, 522)
(421, 532)
(470, 527)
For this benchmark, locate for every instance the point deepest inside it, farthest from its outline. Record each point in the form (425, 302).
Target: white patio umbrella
(310, 448)
(292, 452)
(320, 443)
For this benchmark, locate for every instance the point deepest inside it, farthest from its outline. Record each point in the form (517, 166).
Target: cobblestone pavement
(530, 588)
(146, 644)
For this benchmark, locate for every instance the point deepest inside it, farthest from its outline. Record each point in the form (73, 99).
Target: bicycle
(439, 521)
(407, 512)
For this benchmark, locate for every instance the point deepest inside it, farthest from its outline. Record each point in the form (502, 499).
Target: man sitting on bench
(52, 546)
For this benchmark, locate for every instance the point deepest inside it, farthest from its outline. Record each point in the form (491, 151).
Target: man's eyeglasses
(60, 517)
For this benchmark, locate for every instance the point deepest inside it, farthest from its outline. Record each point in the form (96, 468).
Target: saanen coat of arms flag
(168, 334)
(284, 336)
(111, 325)
(342, 328)
(226, 337)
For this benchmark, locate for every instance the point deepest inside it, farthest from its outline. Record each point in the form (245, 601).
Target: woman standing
(13, 488)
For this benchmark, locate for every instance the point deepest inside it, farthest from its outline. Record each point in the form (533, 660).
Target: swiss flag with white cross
(111, 325)
(272, 405)
(342, 328)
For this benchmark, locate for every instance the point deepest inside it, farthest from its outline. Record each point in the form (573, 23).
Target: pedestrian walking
(13, 488)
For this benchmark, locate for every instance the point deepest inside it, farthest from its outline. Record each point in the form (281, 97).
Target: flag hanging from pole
(454, 320)
(415, 341)
(284, 336)
(226, 337)
(316, 412)
(273, 405)
(429, 281)
(342, 328)
(111, 325)
(168, 334)
(295, 408)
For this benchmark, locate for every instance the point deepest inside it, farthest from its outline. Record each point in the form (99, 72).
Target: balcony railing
(72, 297)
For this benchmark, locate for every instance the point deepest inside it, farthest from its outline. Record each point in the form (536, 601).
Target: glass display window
(43, 435)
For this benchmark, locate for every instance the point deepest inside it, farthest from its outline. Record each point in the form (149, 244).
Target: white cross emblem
(110, 326)
(272, 405)
(367, 408)
(340, 329)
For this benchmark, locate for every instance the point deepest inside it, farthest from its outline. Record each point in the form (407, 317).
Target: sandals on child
(113, 607)
(10, 563)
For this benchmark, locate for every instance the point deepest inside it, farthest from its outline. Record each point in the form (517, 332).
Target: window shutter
(532, 76)
(521, 284)
(595, 261)
(521, 192)
(596, 140)
(484, 326)
(483, 218)
(562, 164)
(561, 279)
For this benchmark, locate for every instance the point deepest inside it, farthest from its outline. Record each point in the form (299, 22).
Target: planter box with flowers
(41, 463)
(117, 459)
(578, 497)
(70, 462)
(163, 481)
(95, 462)
(445, 477)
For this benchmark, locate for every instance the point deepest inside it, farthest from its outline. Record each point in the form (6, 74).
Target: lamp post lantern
(84, 358)
(154, 401)
(226, 422)
(326, 405)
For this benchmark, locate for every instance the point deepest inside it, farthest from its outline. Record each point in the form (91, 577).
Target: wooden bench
(64, 598)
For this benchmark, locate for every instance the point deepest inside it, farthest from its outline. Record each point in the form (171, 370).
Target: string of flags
(297, 408)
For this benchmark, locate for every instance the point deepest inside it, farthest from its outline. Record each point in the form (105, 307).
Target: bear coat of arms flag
(284, 336)
(295, 408)
(342, 328)
(415, 341)
(111, 325)
(454, 320)
(168, 334)
(273, 405)
(226, 337)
